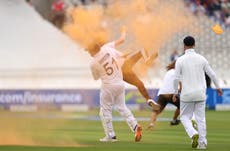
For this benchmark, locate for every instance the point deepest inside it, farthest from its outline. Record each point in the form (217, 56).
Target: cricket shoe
(202, 146)
(195, 138)
(138, 133)
(175, 122)
(108, 139)
(153, 104)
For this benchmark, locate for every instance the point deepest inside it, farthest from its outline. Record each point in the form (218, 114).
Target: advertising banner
(89, 97)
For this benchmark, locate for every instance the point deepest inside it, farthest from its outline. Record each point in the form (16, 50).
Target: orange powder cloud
(150, 23)
(86, 26)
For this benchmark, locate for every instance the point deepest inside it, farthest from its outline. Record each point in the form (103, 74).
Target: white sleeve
(94, 71)
(177, 77)
(211, 74)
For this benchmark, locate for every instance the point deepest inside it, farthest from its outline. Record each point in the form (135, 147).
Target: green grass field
(20, 132)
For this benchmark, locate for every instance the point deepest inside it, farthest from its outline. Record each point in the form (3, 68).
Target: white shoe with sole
(107, 139)
(202, 146)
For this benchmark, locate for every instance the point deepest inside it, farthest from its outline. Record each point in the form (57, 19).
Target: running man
(190, 69)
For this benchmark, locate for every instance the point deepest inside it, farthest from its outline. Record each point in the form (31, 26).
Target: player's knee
(120, 110)
(123, 111)
(105, 116)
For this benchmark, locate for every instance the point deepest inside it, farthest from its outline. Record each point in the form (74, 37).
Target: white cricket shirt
(106, 65)
(167, 86)
(190, 70)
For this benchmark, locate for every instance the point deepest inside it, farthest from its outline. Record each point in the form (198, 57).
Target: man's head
(95, 46)
(93, 49)
(189, 42)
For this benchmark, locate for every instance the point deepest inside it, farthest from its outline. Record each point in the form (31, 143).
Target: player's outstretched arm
(122, 37)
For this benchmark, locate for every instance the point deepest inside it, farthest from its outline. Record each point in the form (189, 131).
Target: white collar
(191, 50)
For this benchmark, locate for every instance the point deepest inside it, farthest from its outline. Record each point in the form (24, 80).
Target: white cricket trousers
(187, 109)
(111, 95)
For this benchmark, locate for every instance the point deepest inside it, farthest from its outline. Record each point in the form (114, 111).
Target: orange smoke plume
(150, 23)
(86, 26)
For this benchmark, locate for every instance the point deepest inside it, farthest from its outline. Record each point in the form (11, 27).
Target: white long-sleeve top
(190, 70)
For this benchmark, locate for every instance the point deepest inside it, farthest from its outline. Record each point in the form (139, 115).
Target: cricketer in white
(190, 70)
(106, 65)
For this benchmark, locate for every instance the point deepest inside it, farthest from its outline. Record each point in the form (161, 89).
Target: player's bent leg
(126, 113)
(130, 77)
(175, 120)
(186, 111)
(132, 60)
(143, 53)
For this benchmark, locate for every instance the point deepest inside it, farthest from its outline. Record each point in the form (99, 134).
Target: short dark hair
(189, 41)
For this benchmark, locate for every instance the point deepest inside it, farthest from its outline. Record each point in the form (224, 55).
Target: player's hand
(220, 92)
(174, 97)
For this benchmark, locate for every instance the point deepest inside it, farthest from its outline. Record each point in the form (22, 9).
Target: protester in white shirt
(165, 95)
(190, 70)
